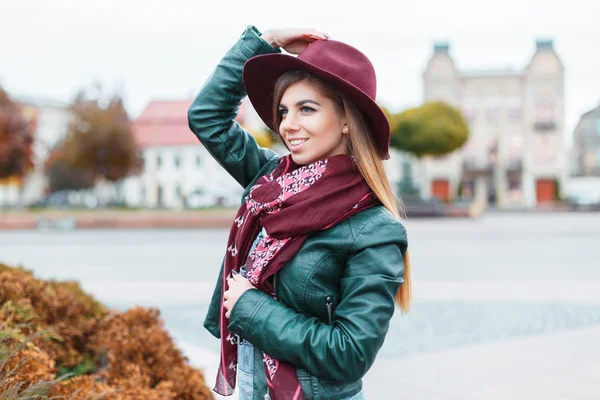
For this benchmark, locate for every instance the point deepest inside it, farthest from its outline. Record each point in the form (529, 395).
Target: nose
(289, 124)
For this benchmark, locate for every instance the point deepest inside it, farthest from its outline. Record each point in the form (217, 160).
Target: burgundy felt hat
(336, 62)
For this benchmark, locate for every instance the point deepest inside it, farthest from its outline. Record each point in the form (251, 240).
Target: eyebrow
(301, 103)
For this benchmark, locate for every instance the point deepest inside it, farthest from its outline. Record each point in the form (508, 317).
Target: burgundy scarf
(291, 203)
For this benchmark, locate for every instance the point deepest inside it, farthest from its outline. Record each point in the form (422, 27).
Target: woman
(316, 254)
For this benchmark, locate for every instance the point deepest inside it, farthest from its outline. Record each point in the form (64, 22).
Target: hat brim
(260, 73)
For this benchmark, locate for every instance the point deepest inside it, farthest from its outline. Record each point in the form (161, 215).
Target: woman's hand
(292, 40)
(237, 286)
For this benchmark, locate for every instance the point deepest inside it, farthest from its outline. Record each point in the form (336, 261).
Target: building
(583, 189)
(515, 156)
(586, 144)
(176, 165)
(51, 120)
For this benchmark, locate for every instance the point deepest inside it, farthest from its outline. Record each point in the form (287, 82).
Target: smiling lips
(296, 144)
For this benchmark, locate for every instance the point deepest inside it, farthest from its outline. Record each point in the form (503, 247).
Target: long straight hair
(362, 147)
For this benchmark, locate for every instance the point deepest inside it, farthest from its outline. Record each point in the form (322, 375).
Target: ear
(345, 130)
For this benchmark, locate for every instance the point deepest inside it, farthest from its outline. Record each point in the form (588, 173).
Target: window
(176, 160)
(598, 127)
(469, 115)
(514, 184)
(158, 160)
(514, 114)
(544, 127)
(514, 107)
(598, 156)
(159, 196)
(198, 160)
(545, 109)
(143, 192)
(492, 109)
(178, 191)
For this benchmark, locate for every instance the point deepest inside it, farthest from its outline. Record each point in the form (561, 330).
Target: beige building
(515, 156)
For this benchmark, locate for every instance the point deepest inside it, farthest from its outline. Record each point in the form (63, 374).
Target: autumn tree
(263, 137)
(100, 140)
(62, 175)
(16, 139)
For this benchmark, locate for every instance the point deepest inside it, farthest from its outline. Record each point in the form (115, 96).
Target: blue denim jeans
(245, 370)
(245, 374)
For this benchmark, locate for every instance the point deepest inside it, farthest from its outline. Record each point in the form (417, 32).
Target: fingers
(235, 276)
(238, 278)
(231, 276)
(317, 34)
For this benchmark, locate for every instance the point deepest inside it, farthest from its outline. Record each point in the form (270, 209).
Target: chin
(303, 159)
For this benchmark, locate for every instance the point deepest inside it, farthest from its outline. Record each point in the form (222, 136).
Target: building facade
(586, 144)
(515, 156)
(176, 165)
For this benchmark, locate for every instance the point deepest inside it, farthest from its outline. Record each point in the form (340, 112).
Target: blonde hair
(360, 145)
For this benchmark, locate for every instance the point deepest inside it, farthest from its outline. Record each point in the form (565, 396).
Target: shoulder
(376, 226)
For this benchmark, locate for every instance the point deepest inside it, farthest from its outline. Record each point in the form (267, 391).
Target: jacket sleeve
(212, 114)
(345, 350)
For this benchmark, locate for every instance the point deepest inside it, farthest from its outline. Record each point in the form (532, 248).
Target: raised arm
(212, 114)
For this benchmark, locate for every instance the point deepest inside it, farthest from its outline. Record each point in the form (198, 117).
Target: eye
(282, 112)
(306, 109)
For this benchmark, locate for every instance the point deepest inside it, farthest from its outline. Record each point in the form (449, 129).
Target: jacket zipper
(329, 304)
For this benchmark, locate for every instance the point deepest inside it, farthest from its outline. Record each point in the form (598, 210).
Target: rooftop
(164, 123)
(544, 44)
(592, 112)
(441, 47)
(37, 101)
(490, 72)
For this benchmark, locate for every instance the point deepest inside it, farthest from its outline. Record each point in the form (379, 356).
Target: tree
(263, 138)
(62, 176)
(434, 128)
(100, 140)
(16, 139)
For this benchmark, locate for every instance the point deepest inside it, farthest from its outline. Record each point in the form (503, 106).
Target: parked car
(65, 199)
(584, 201)
(423, 208)
(199, 199)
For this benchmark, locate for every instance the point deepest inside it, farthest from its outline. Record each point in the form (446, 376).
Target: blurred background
(495, 117)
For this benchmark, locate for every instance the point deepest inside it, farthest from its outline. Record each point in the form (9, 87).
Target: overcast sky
(166, 49)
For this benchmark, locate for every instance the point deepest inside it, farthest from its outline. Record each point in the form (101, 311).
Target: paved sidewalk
(563, 366)
(552, 367)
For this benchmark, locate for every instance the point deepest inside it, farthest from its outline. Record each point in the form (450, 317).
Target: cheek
(324, 126)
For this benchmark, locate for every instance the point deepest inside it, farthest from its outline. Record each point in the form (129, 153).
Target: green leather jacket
(336, 295)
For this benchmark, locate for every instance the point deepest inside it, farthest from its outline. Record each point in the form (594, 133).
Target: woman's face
(311, 124)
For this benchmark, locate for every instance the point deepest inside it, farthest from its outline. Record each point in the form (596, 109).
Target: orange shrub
(45, 325)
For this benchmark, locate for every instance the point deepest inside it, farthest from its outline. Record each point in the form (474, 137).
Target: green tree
(100, 140)
(16, 140)
(435, 128)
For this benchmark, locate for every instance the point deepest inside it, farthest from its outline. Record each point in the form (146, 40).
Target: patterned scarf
(291, 203)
